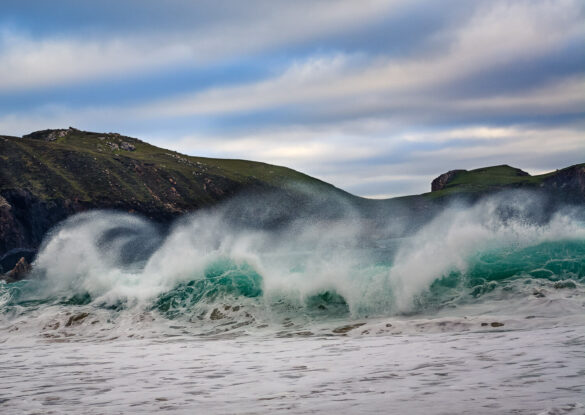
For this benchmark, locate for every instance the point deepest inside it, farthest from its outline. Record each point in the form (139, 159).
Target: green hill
(111, 169)
(490, 179)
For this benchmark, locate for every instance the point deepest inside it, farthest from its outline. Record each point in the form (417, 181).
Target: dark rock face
(11, 258)
(443, 180)
(569, 183)
(49, 135)
(20, 270)
(25, 219)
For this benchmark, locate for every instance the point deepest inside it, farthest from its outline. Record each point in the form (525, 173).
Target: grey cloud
(358, 81)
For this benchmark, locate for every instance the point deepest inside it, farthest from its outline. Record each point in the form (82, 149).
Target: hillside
(114, 170)
(49, 175)
(567, 184)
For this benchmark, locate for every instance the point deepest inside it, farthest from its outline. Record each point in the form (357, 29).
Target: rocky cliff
(444, 179)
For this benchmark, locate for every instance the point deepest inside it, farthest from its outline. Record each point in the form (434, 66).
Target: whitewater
(477, 310)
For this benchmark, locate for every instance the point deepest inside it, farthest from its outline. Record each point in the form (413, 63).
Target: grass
(488, 179)
(82, 166)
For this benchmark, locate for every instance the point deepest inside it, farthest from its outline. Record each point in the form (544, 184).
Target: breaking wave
(204, 268)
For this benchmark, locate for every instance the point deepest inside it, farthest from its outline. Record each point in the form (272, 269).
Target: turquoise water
(470, 314)
(509, 272)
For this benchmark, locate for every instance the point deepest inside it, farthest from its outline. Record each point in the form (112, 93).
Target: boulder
(50, 135)
(127, 146)
(19, 272)
(443, 180)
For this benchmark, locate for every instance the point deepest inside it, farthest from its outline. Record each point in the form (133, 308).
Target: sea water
(476, 312)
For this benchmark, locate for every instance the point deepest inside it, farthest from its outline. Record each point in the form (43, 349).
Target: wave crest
(318, 267)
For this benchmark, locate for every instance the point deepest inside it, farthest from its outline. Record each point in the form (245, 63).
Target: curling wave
(203, 265)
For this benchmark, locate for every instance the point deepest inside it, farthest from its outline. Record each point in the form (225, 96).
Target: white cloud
(497, 35)
(297, 147)
(303, 82)
(520, 144)
(564, 95)
(27, 63)
(499, 32)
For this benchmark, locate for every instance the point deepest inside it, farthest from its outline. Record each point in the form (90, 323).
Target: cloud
(495, 36)
(377, 97)
(564, 95)
(27, 62)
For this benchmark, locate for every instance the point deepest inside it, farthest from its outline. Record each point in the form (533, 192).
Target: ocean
(480, 310)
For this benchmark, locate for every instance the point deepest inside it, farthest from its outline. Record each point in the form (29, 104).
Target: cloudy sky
(376, 97)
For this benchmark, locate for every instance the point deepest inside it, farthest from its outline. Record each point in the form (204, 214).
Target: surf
(204, 269)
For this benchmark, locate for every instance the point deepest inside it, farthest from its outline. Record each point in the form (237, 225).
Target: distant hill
(571, 179)
(49, 175)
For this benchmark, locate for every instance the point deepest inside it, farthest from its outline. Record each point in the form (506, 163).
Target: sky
(375, 97)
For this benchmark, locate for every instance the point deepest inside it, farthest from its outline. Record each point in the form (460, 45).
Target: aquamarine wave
(465, 255)
(519, 271)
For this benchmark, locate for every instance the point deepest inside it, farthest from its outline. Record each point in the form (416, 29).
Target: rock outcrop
(25, 218)
(124, 145)
(443, 180)
(564, 186)
(19, 272)
(570, 182)
(50, 135)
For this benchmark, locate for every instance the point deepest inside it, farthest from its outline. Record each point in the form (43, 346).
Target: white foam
(305, 259)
